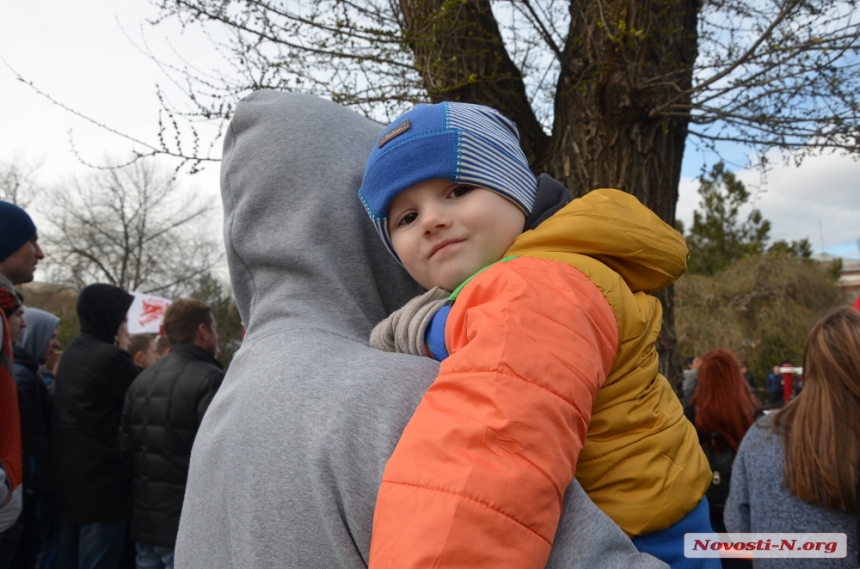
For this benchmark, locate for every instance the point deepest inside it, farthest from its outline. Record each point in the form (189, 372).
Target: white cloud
(79, 54)
(822, 196)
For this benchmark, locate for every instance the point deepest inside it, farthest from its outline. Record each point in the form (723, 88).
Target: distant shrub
(760, 307)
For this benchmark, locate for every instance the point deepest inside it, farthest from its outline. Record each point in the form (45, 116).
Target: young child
(552, 370)
(143, 350)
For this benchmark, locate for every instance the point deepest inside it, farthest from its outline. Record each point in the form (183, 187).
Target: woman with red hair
(722, 409)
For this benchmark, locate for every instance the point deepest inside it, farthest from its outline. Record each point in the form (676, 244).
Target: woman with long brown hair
(722, 409)
(797, 469)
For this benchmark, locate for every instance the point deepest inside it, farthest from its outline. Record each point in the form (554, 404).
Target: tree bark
(461, 56)
(622, 59)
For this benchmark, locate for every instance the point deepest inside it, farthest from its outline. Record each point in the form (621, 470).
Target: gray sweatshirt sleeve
(587, 538)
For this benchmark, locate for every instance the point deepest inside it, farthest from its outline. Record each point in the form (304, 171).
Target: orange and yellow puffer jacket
(552, 373)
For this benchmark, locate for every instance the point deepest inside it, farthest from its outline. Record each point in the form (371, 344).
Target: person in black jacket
(92, 485)
(162, 412)
(37, 343)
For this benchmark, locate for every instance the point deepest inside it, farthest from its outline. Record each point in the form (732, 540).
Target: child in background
(143, 351)
(547, 343)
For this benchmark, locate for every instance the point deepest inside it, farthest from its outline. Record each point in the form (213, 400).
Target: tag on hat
(395, 132)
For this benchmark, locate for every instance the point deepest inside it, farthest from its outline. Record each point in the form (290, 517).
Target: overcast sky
(77, 52)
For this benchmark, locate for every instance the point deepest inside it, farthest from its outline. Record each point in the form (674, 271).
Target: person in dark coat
(162, 412)
(19, 255)
(92, 485)
(37, 342)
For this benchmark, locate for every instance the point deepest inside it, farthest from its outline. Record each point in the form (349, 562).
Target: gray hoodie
(288, 459)
(34, 339)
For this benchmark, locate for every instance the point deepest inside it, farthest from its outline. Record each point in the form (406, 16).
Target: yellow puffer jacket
(639, 450)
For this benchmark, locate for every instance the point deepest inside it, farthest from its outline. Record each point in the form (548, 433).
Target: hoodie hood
(35, 337)
(101, 309)
(296, 259)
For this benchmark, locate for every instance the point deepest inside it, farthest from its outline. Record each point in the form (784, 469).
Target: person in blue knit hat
(541, 310)
(19, 247)
(19, 253)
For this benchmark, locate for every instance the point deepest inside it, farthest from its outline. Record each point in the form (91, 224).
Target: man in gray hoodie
(289, 457)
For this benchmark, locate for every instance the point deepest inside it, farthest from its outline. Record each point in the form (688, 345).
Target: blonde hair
(821, 426)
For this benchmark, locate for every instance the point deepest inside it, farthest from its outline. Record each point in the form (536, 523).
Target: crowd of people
(332, 445)
(95, 444)
(776, 459)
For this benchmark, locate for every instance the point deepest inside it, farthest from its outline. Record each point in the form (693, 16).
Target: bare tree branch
(18, 183)
(129, 226)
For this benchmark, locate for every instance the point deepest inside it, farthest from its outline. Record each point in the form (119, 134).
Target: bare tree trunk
(616, 66)
(599, 152)
(460, 54)
(617, 59)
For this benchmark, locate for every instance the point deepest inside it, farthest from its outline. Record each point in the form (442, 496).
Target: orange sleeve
(479, 475)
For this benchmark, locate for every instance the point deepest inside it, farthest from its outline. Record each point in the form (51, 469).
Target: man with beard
(163, 410)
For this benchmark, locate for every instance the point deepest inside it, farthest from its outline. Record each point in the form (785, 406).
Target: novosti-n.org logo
(766, 545)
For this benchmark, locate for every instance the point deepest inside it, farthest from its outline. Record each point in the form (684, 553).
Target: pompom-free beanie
(16, 228)
(468, 144)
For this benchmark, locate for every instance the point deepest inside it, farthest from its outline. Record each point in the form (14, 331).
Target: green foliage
(718, 235)
(211, 291)
(760, 307)
(835, 270)
(801, 248)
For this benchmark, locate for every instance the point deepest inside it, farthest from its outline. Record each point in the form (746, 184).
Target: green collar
(464, 283)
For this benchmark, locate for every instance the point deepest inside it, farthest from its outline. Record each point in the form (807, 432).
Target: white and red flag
(146, 314)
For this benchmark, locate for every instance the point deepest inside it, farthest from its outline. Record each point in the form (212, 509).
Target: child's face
(445, 232)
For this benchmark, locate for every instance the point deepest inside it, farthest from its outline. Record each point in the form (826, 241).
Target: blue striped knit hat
(468, 144)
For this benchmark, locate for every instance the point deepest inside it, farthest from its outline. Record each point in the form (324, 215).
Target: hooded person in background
(93, 487)
(19, 254)
(288, 460)
(37, 342)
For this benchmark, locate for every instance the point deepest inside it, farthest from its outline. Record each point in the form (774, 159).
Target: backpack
(721, 461)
